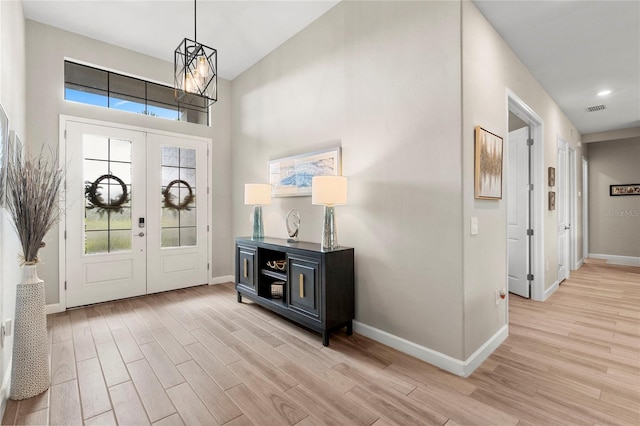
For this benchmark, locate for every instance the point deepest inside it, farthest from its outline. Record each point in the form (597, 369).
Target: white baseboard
(6, 388)
(617, 260)
(580, 263)
(446, 362)
(222, 280)
(548, 292)
(54, 308)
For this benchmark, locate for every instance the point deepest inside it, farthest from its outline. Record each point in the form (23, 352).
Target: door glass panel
(107, 177)
(178, 210)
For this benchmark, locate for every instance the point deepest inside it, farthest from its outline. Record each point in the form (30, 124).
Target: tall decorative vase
(30, 365)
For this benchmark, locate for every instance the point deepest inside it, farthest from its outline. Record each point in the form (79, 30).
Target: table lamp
(258, 195)
(329, 191)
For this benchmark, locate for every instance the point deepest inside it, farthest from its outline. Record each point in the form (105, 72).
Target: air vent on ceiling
(596, 108)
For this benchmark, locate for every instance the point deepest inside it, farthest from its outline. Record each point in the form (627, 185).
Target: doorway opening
(525, 202)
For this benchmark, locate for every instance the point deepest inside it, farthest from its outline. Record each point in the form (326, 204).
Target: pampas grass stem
(32, 189)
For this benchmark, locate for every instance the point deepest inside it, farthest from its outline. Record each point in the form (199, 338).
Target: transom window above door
(94, 86)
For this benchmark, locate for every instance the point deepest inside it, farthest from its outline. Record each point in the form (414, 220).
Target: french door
(135, 213)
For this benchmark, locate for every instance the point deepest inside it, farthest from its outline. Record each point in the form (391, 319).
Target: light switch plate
(474, 226)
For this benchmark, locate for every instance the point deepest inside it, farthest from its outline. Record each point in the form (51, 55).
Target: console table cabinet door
(304, 285)
(246, 266)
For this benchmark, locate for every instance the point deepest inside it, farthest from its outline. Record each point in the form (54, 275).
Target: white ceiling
(574, 48)
(243, 32)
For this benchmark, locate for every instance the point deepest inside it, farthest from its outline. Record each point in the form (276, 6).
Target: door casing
(538, 175)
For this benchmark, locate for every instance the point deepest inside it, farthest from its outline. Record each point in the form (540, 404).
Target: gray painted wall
(614, 222)
(382, 79)
(48, 47)
(490, 69)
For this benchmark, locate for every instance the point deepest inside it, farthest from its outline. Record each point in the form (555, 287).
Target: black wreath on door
(170, 199)
(96, 200)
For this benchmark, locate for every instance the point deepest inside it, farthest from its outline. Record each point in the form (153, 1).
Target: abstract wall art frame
(624, 189)
(291, 176)
(4, 151)
(488, 165)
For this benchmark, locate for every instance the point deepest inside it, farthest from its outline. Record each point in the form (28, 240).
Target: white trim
(580, 263)
(573, 208)
(617, 260)
(548, 292)
(62, 224)
(536, 124)
(6, 388)
(222, 280)
(446, 362)
(585, 207)
(54, 308)
(562, 144)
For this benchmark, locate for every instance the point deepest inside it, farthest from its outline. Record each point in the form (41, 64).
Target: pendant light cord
(195, 22)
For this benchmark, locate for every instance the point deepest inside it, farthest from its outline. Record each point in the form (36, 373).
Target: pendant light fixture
(195, 69)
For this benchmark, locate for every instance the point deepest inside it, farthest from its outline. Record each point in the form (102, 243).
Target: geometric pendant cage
(195, 70)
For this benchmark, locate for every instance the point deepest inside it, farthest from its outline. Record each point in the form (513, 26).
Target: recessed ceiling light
(604, 93)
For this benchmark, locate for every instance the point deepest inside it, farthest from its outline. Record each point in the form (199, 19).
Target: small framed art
(625, 189)
(488, 165)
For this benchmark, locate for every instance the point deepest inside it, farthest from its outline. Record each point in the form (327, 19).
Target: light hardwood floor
(196, 357)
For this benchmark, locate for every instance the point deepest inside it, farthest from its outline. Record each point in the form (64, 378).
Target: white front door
(126, 233)
(176, 237)
(518, 212)
(562, 198)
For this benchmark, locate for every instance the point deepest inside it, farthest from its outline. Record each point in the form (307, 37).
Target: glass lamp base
(329, 230)
(258, 227)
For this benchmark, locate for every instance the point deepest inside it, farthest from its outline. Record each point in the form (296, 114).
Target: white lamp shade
(329, 190)
(257, 194)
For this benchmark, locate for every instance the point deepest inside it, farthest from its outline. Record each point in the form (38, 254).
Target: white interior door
(136, 213)
(518, 212)
(105, 257)
(562, 198)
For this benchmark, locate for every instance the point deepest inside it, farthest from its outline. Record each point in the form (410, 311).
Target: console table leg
(239, 297)
(325, 338)
(350, 328)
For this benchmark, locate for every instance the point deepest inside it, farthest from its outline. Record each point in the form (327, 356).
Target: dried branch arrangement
(32, 188)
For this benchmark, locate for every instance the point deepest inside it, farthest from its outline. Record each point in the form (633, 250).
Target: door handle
(141, 234)
(301, 285)
(245, 264)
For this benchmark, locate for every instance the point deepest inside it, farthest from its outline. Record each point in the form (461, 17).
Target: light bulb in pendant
(203, 67)
(189, 83)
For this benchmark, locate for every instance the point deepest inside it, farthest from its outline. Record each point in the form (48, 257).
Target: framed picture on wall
(14, 152)
(625, 189)
(488, 165)
(291, 176)
(4, 148)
